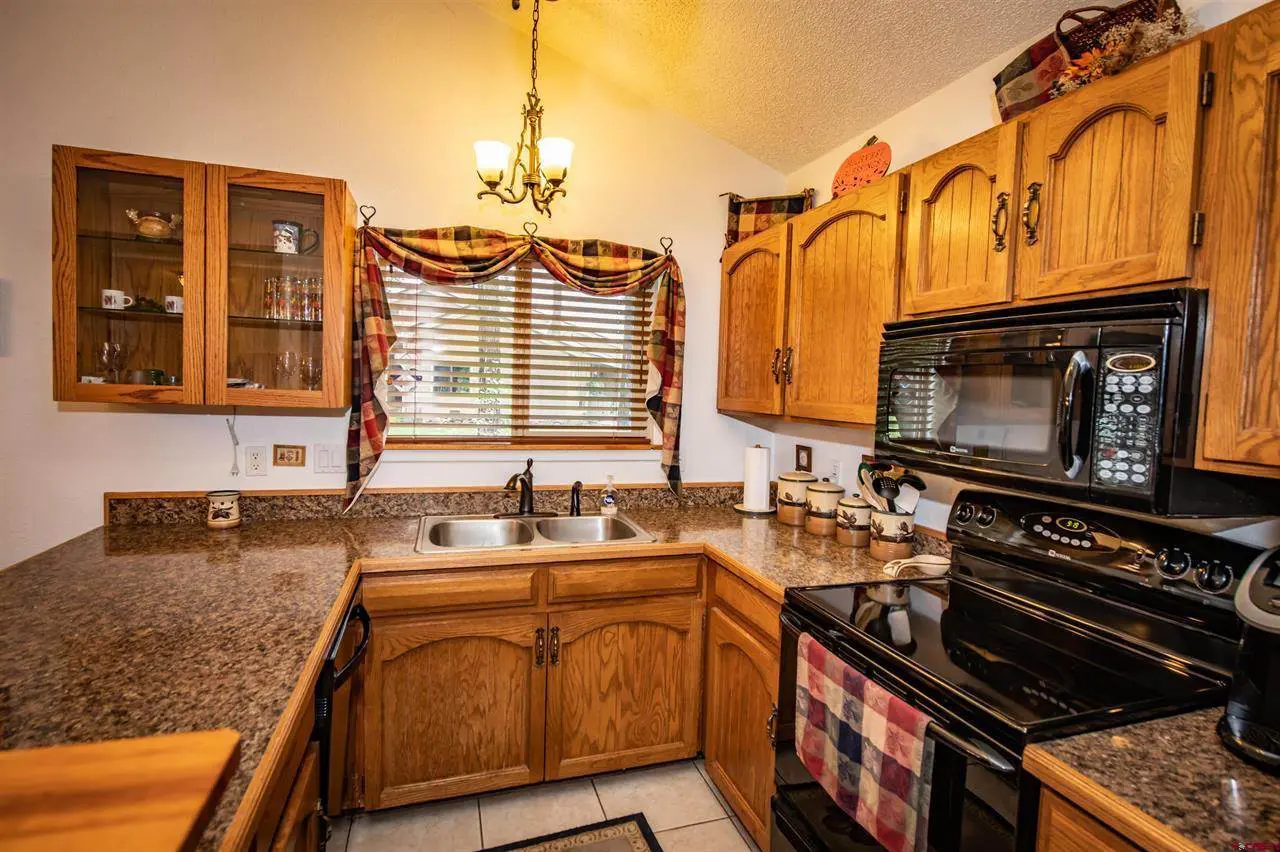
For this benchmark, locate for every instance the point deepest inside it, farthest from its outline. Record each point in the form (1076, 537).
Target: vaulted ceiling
(784, 80)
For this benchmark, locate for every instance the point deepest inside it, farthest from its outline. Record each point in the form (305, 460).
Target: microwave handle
(1073, 452)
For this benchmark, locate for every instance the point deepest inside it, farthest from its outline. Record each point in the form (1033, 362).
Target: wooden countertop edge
(497, 559)
(1127, 819)
(300, 709)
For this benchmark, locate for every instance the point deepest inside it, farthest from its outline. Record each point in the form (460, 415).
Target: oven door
(975, 804)
(1001, 415)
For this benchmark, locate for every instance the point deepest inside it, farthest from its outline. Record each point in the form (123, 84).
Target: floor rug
(624, 834)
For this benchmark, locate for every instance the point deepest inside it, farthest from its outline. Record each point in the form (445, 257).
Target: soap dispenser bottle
(609, 497)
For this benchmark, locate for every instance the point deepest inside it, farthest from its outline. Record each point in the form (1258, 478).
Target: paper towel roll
(755, 479)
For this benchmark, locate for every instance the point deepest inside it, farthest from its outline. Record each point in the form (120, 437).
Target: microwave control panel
(1126, 442)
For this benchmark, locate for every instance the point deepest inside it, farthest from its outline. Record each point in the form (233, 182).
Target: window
(517, 359)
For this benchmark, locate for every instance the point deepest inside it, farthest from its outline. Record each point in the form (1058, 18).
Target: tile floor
(682, 807)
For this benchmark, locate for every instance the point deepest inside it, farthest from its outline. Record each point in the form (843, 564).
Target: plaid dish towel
(866, 747)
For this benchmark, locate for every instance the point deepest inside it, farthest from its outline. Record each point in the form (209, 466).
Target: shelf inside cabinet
(250, 322)
(255, 252)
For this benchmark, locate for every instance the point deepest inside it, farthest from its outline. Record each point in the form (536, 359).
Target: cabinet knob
(555, 646)
(1000, 221)
(771, 726)
(776, 365)
(1030, 221)
(787, 364)
(539, 648)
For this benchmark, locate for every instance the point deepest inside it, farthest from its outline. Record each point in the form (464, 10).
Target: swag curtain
(466, 255)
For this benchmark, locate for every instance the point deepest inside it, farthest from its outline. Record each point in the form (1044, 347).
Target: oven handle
(1072, 453)
(979, 752)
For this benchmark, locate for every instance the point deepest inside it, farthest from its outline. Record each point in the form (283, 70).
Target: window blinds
(519, 358)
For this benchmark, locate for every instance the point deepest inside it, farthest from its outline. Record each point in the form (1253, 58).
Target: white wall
(388, 95)
(952, 114)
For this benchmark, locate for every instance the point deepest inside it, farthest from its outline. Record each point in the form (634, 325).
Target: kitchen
(560, 659)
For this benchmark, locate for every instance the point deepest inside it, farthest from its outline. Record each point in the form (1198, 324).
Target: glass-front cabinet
(280, 263)
(181, 282)
(128, 278)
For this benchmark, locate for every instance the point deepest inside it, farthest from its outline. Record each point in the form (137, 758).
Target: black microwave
(1094, 400)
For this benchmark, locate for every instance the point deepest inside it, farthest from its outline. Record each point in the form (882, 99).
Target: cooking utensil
(887, 488)
(910, 487)
(928, 564)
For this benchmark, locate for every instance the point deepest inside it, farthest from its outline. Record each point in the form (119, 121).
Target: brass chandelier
(541, 163)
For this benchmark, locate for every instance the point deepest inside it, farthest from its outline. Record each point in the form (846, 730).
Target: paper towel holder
(741, 508)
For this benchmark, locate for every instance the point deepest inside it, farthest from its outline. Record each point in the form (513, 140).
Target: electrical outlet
(835, 470)
(329, 458)
(255, 461)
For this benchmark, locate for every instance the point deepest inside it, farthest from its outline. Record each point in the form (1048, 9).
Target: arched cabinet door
(454, 706)
(742, 694)
(753, 299)
(961, 234)
(844, 287)
(1108, 181)
(623, 686)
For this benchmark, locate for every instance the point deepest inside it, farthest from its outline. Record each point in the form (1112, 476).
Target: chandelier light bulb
(556, 154)
(492, 158)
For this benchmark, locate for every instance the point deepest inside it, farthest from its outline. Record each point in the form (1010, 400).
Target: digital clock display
(1072, 525)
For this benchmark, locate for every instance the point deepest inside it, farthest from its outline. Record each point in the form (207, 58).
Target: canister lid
(825, 487)
(854, 501)
(798, 476)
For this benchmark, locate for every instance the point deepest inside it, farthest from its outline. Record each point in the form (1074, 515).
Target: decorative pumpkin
(865, 165)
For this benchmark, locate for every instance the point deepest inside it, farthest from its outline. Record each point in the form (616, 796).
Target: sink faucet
(575, 499)
(524, 481)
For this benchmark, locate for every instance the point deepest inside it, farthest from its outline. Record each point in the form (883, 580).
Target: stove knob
(986, 516)
(1213, 577)
(964, 513)
(1172, 563)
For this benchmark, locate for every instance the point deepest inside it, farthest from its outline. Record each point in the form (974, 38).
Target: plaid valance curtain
(466, 255)
(750, 216)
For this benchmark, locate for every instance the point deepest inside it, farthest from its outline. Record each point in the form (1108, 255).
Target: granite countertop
(138, 630)
(1177, 771)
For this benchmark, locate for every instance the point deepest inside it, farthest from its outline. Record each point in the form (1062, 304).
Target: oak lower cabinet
(1241, 426)
(844, 287)
(1063, 827)
(961, 236)
(299, 829)
(753, 305)
(453, 706)
(623, 685)
(741, 708)
(1109, 179)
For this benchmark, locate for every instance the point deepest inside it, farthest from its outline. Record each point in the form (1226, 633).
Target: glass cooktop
(1032, 670)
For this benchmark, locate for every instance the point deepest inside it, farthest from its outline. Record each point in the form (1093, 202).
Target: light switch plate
(329, 458)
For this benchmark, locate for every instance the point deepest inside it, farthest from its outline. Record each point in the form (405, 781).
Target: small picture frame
(289, 455)
(804, 458)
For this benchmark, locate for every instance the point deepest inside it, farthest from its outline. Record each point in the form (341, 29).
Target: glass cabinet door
(277, 267)
(128, 277)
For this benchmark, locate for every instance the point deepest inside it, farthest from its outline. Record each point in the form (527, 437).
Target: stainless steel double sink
(455, 533)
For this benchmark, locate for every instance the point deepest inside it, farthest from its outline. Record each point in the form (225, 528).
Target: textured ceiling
(784, 80)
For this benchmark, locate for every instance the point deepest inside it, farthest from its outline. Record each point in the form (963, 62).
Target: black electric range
(1052, 621)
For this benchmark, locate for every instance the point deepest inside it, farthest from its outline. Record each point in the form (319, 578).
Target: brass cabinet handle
(555, 646)
(771, 726)
(1000, 221)
(539, 648)
(787, 364)
(1032, 226)
(773, 367)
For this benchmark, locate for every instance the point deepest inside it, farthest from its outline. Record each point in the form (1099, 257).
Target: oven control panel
(1126, 437)
(1069, 531)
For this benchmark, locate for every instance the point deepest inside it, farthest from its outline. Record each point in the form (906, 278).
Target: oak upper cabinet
(742, 687)
(844, 277)
(1241, 427)
(128, 278)
(1109, 176)
(624, 686)
(753, 302)
(281, 249)
(453, 706)
(960, 230)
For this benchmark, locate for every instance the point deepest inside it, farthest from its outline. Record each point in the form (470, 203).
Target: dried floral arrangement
(1124, 44)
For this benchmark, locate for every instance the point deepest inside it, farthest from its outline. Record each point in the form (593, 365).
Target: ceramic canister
(853, 521)
(224, 510)
(792, 487)
(822, 498)
(892, 534)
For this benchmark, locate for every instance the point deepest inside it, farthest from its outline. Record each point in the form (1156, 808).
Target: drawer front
(452, 590)
(620, 578)
(756, 609)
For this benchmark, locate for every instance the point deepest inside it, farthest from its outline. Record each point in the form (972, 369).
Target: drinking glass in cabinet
(129, 235)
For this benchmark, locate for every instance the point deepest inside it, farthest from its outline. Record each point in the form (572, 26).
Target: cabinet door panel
(624, 686)
(844, 262)
(454, 707)
(753, 292)
(954, 258)
(742, 688)
(1109, 177)
(1242, 380)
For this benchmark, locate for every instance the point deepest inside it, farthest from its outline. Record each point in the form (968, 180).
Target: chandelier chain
(533, 64)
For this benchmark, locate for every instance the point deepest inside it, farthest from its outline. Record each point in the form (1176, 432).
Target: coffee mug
(116, 300)
(173, 304)
(287, 237)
